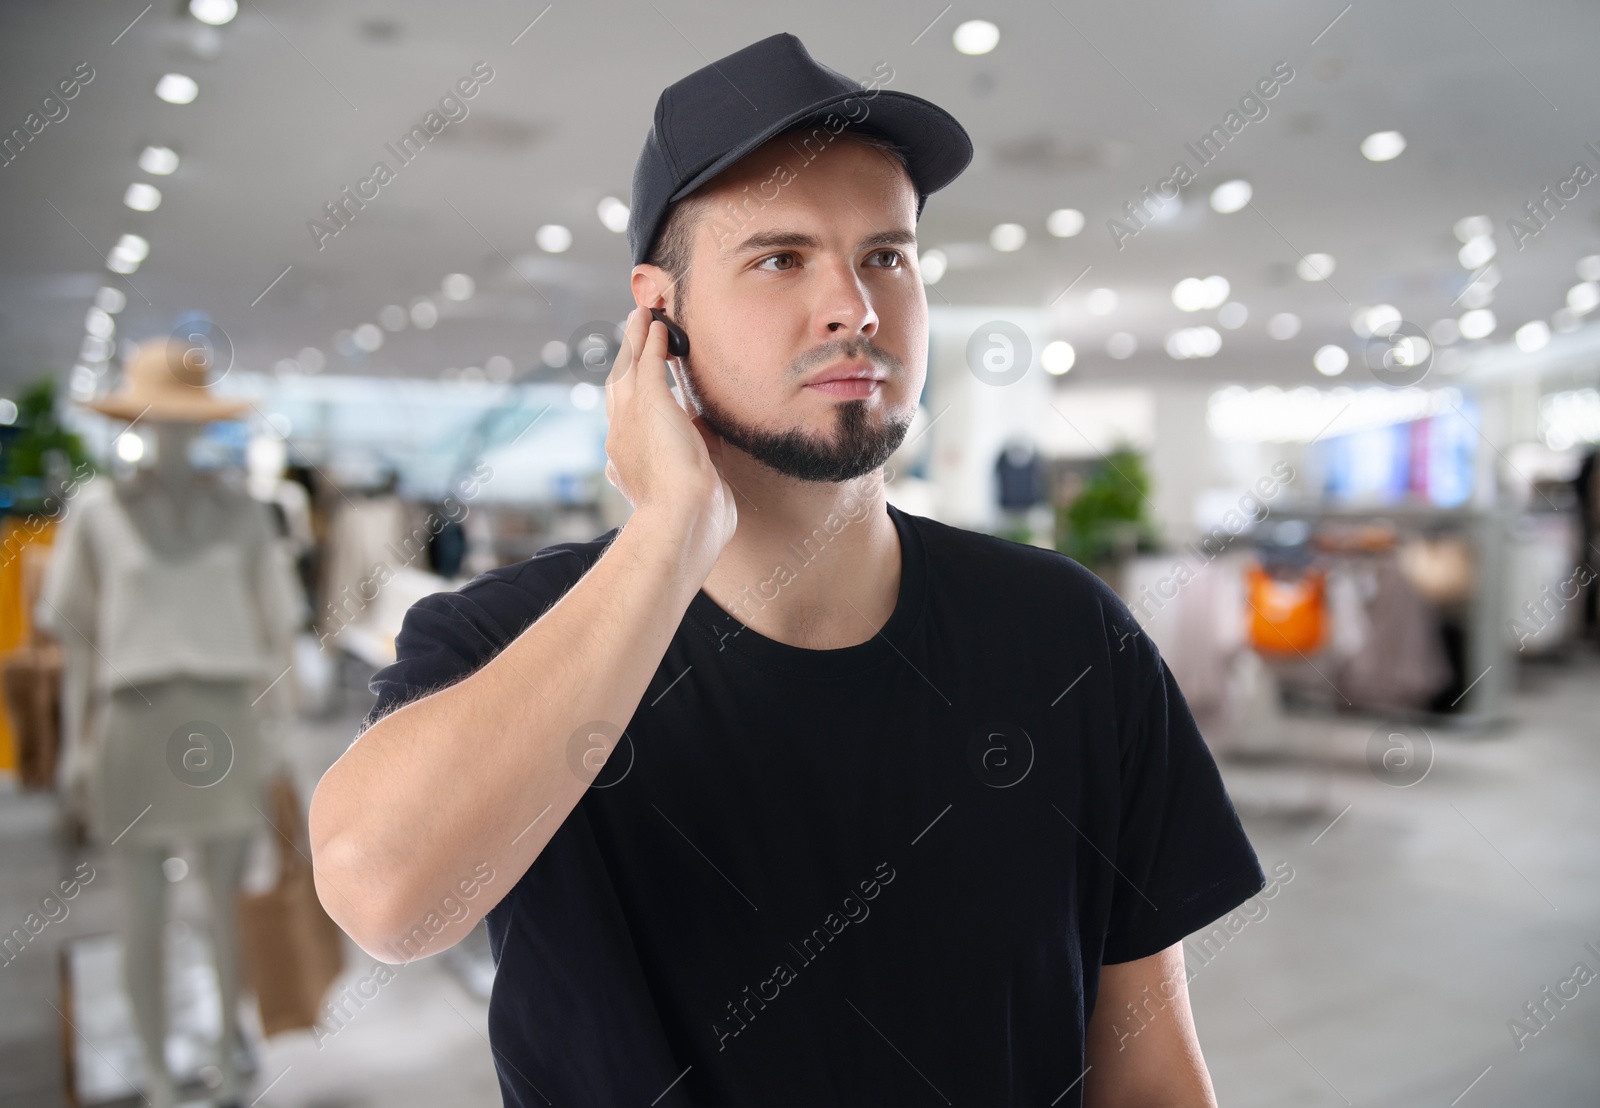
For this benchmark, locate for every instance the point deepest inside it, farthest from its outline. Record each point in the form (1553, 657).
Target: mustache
(854, 348)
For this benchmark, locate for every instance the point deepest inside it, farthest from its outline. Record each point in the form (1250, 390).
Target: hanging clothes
(366, 533)
(1287, 614)
(1403, 665)
(1020, 472)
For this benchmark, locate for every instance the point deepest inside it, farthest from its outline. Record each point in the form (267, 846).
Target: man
(778, 794)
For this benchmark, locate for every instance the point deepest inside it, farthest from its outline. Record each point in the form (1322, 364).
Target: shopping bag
(292, 950)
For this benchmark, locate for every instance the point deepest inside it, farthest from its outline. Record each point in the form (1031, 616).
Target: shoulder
(447, 635)
(91, 495)
(1052, 604)
(1019, 578)
(496, 606)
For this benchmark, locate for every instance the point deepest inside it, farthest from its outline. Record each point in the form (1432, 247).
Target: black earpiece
(677, 341)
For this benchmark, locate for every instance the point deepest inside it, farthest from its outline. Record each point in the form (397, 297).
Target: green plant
(1108, 518)
(38, 451)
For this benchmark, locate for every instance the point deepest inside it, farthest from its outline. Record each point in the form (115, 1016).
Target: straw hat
(167, 379)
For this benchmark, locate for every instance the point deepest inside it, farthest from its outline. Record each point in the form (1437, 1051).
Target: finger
(712, 440)
(622, 367)
(654, 361)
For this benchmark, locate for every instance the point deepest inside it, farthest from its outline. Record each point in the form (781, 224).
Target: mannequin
(175, 604)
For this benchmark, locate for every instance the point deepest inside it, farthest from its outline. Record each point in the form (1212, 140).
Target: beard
(860, 443)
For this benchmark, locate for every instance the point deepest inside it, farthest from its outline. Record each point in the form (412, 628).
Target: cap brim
(937, 146)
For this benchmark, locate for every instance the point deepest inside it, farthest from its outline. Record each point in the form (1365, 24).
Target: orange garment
(1286, 617)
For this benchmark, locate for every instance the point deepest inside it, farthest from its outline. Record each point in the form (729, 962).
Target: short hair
(674, 242)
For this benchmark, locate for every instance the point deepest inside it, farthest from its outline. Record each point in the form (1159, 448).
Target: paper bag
(292, 950)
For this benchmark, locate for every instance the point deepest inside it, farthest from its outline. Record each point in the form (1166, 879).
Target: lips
(852, 371)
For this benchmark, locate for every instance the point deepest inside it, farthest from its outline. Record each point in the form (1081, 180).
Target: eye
(773, 257)
(899, 258)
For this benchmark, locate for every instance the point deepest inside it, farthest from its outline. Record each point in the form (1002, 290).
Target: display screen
(1426, 461)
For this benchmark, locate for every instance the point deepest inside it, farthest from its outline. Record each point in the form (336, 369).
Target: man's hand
(659, 456)
(1141, 1050)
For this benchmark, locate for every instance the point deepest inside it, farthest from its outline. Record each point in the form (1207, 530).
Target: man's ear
(652, 287)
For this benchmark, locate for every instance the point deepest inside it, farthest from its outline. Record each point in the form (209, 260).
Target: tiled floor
(1417, 922)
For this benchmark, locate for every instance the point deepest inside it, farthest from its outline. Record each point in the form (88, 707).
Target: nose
(846, 311)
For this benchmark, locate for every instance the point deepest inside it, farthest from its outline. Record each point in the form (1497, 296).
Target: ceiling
(1080, 105)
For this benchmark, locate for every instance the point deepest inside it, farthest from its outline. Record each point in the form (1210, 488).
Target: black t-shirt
(885, 874)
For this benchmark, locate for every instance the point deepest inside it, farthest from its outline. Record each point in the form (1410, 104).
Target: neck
(810, 564)
(171, 468)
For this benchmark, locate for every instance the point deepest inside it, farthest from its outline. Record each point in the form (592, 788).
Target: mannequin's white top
(161, 589)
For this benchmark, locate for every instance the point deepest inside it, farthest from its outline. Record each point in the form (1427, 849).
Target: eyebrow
(771, 240)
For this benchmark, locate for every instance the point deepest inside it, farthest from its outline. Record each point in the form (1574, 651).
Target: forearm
(477, 777)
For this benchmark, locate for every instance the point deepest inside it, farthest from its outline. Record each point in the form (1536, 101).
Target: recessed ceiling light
(1476, 252)
(1444, 331)
(1584, 298)
(613, 214)
(1101, 301)
(424, 314)
(1378, 320)
(1192, 294)
(1121, 345)
(214, 12)
(1533, 336)
(158, 161)
(175, 88)
(1232, 315)
(392, 317)
(553, 238)
(1283, 326)
(368, 337)
(1383, 146)
(1008, 236)
(1315, 267)
(976, 36)
(1589, 267)
(1331, 360)
(1566, 320)
(457, 286)
(1476, 324)
(1194, 342)
(130, 446)
(1057, 357)
(142, 197)
(110, 300)
(1473, 226)
(932, 263)
(1230, 196)
(126, 255)
(94, 349)
(1064, 223)
(1169, 209)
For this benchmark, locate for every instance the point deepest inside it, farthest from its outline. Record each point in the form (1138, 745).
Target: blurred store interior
(1327, 419)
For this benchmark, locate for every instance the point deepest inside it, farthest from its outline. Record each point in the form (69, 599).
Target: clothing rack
(1484, 663)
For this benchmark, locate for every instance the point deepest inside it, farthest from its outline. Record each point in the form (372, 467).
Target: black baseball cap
(716, 115)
